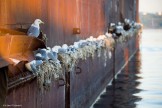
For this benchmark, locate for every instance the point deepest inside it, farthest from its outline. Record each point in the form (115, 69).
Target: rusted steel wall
(137, 10)
(86, 86)
(28, 96)
(60, 17)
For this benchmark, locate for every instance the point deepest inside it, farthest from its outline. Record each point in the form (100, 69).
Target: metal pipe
(67, 90)
(20, 81)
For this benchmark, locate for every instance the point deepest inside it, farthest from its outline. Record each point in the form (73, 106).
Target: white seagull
(34, 29)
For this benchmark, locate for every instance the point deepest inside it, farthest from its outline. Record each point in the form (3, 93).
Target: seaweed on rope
(47, 71)
(68, 61)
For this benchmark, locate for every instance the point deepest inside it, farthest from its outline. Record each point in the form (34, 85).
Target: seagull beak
(42, 22)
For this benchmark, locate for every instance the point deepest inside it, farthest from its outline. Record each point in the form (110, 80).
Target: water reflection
(121, 93)
(151, 54)
(139, 84)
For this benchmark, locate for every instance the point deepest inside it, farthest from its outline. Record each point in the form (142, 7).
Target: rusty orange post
(137, 10)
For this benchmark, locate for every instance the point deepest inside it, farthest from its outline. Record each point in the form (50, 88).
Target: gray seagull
(34, 29)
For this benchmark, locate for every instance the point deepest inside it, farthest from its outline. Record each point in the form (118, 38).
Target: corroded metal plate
(14, 48)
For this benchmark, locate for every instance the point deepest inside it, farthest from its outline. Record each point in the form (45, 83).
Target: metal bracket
(59, 82)
(79, 70)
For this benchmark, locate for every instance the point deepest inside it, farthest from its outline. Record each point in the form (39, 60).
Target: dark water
(139, 85)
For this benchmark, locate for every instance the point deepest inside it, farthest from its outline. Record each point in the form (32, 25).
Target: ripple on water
(139, 86)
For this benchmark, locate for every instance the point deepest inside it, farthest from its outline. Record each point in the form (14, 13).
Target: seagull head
(38, 21)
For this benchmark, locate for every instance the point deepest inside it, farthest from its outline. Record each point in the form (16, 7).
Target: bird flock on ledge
(52, 63)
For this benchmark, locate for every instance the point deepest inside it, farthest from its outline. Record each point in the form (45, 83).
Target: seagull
(108, 35)
(65, 46)
(63, 49)
(127, 25)
(91, 38)
(51, 55)
(38, 56)
(101, 37)
(34, 29)
(111, 28)
(119, 29)
(32, 66)
(83, 44)
(55, 56)
(41, 54)
(76, 45)
(46, 54)
(114, 36)
(133, 24)
(71, 49)
(56, 48)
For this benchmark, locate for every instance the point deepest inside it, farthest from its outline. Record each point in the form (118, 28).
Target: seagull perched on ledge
(34, 29)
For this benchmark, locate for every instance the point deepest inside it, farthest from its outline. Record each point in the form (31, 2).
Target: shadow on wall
(61, 16)
(3, 86)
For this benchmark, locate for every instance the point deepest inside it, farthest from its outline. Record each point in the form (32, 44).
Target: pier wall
(60, 17)
(86, 86)
(28, 95)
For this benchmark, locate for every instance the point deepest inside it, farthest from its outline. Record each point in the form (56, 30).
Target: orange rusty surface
(137, 11)
(60, 17)
(29, 95)
(126, 57)
(19, 47)
(4, 31)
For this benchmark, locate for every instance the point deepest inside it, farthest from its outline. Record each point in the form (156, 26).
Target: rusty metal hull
(60, 17)
(86, 86)
(28, 95)
(19, 47)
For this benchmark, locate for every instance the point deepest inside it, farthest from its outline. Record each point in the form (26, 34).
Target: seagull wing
(33, 31)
